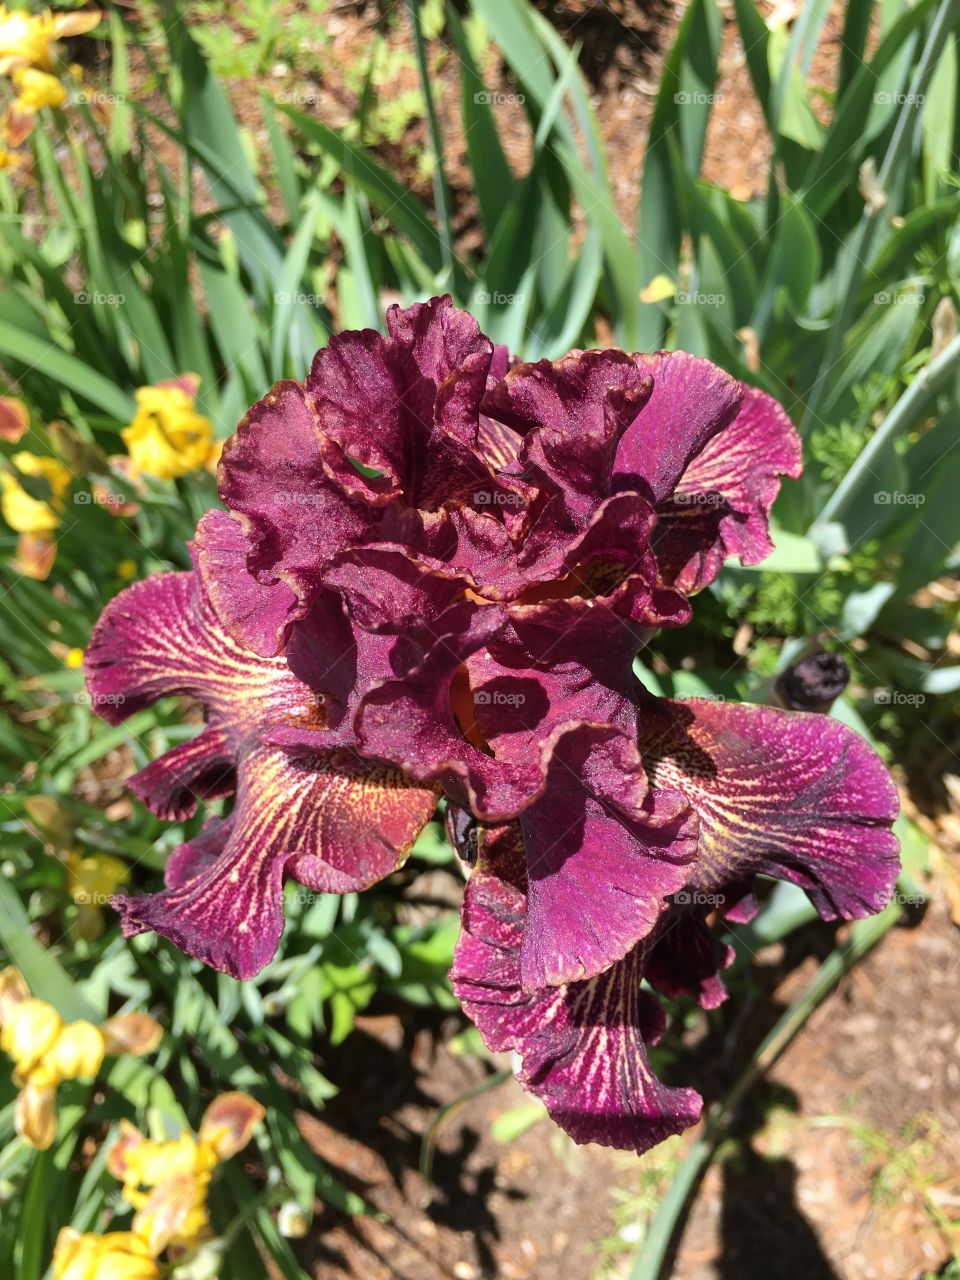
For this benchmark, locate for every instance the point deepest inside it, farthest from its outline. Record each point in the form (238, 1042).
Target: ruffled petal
(259, 615)
(419, 388)
(334, 822)
(691, 401)
(572, 414)
(686, 957)
(786, 794)
(161, 637)
(295, 516)
(721, 505)
(602, 856)
(200, 769)
(582, 1046)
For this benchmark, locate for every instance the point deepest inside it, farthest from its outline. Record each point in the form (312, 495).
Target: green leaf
(23, 347)
(41, 970)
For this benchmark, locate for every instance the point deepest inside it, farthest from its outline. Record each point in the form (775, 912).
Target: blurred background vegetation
(220, 187)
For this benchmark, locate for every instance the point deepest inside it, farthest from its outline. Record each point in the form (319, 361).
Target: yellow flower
(29, 1032)
(92, 880)
(73, 659)
(168, 438)
(21, 510)
(127, 570)
(30, 40)
(76, 1055)
(167, 1182)
(119, 1255)
(46, 1051)
(37, 89)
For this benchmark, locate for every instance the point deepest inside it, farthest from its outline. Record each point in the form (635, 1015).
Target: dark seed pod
(813, 683)
(463, 832)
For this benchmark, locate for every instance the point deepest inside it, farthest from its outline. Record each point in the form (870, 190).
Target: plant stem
(440, 189)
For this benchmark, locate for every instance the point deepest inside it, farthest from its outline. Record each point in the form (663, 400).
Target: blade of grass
(441, 189)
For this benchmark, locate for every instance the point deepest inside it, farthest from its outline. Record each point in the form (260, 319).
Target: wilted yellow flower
(92, 880)
(35, 556)
(30, 40)
(22, 511)
(168, 437)
(14, 417)
(37, 89)
(167, 1182)
(119, 1255)
(46, 1051)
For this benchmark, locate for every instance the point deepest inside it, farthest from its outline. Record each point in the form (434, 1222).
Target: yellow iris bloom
(168, 437)
(46, 1051)
(92, 880)
(30, 40)
(167, 1182)
(119, 1255)
(37, 89)
(22, 511)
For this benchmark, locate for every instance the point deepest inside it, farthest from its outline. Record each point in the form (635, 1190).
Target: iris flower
(47, 1051)
(31, 40)
(472, 551)
(168, 438)
(35, 515)
(167, 1183)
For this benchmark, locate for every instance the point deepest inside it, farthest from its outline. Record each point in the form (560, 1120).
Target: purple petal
(272, 473)
(257, 615)
(691, 401)
(571, 414)
(685, 958)
(721, 505)
(201, 768)
(602, 856)
(582, 1046)
(406, 406)
(786, 794)
(335, 823)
